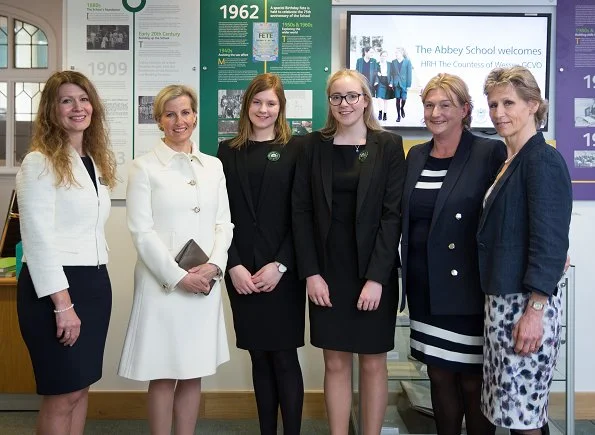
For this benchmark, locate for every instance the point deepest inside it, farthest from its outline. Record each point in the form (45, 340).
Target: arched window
(27, 58)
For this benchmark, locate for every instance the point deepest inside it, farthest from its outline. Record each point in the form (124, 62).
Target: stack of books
(8, 267)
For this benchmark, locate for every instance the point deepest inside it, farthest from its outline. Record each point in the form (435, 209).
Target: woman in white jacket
(64, 293)
(176, 333)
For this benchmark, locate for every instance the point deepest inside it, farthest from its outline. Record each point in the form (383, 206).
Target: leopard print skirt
(516, 388)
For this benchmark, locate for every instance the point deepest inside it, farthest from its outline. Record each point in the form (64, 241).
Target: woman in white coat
(176, 333)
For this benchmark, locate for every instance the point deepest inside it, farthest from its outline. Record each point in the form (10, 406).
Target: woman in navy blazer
(446, 180)
(64, 294)
(346, 222)
(367, 65)
(523, 244)
(267, 297)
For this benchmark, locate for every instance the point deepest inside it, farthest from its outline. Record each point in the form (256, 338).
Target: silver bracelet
(64, 309)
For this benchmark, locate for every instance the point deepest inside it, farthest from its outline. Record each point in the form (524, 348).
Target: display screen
(410, 48)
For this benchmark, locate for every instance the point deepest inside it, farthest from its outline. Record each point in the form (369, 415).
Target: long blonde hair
(52, 140)
(330, 128)
(261, 83)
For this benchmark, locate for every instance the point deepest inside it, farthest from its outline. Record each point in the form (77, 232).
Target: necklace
(357, 149)
(508, 160)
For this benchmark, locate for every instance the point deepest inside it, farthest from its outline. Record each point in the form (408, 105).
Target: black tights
(278, 382)
(454, 395)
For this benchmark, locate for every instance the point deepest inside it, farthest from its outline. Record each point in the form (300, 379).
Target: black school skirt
(63, 369)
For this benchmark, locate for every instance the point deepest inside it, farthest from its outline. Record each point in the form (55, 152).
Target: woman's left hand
(267, 277)
(369, 298)
(208, 271)
(528, 332)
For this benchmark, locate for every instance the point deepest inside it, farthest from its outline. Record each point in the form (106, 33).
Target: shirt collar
(165, 153)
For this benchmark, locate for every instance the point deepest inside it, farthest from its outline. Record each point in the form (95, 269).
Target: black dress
(273, 320)
(63, 369)
(343, 327)
(454, 342)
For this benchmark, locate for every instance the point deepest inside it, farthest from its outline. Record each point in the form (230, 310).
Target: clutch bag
(191, 255)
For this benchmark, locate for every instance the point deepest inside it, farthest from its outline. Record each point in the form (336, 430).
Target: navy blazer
(401, 76)
(262, 233)
(453, 272)
(378, 221)
(523, 231)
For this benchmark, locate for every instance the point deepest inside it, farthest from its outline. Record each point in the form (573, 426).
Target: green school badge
(273, 156)
(362, 156)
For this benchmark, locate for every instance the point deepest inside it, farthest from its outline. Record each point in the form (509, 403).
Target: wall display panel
(466, 44)
(575, 94)
(131, 49)
(239, 40)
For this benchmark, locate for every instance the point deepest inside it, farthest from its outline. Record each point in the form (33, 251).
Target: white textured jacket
(60, 225)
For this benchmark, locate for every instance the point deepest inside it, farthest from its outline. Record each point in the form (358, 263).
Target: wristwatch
(281, 267)
(536, 305)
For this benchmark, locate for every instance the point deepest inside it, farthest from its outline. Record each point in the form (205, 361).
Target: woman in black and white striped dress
(446, 180)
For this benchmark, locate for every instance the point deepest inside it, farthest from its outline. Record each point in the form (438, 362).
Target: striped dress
(447, 341)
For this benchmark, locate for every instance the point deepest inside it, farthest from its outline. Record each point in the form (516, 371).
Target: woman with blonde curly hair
(64, 292)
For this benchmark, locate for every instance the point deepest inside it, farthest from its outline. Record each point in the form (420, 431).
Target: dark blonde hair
(170, 92)
(453, 86)
(525, 85)
(330, 128)
(261, 83)
(51, 139)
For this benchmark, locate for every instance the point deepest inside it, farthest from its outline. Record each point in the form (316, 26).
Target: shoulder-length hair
(330, 128)
(455, 88)
(52, 140)
(261, 83)
(525, 85)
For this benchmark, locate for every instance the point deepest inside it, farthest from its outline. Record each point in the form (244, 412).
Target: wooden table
(16, 372)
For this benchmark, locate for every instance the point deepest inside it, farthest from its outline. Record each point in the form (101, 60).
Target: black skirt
(63, 369)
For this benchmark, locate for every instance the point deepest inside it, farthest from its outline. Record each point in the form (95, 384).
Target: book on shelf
(7, 264)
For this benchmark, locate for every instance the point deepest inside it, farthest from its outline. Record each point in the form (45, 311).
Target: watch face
(282, 268)
(537, 305)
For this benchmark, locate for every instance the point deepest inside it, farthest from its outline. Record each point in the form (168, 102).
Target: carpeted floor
(23, 423)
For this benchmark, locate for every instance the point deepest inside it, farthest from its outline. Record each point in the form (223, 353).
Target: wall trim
(220, 405)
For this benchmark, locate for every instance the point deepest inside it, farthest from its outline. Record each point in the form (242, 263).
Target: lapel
(415, 164)
(241, 160)
(455, 170)
(326, 170)
(367, 170)
(79, 169)
(516, 162)
(268, 175)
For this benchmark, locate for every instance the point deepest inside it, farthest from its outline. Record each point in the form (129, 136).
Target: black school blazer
(261, 234)
(452, 242)
(378, 221)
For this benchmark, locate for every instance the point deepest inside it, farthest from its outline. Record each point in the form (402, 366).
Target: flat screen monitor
(469, 45)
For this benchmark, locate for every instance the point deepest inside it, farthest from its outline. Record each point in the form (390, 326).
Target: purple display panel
(575, 93)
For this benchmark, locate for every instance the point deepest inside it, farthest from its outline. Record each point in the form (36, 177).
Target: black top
(90, 169)
(257, 160)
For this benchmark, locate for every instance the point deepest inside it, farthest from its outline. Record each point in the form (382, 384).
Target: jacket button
(192, 183)
(458, 216)
(454, 272)
(196, 209)
(451, 246)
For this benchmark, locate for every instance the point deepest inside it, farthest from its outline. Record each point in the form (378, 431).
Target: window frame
(12, 75)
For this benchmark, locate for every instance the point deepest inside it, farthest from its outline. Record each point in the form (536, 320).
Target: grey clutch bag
(192, 255)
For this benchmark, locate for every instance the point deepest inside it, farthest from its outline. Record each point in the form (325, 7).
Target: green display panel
(239, 40)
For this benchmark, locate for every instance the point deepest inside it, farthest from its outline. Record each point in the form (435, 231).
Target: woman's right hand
(242, 280)
(318, 291)
(68, 326)
(195, 283)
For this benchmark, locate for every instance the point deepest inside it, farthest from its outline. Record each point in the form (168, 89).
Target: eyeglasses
(350, 98)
